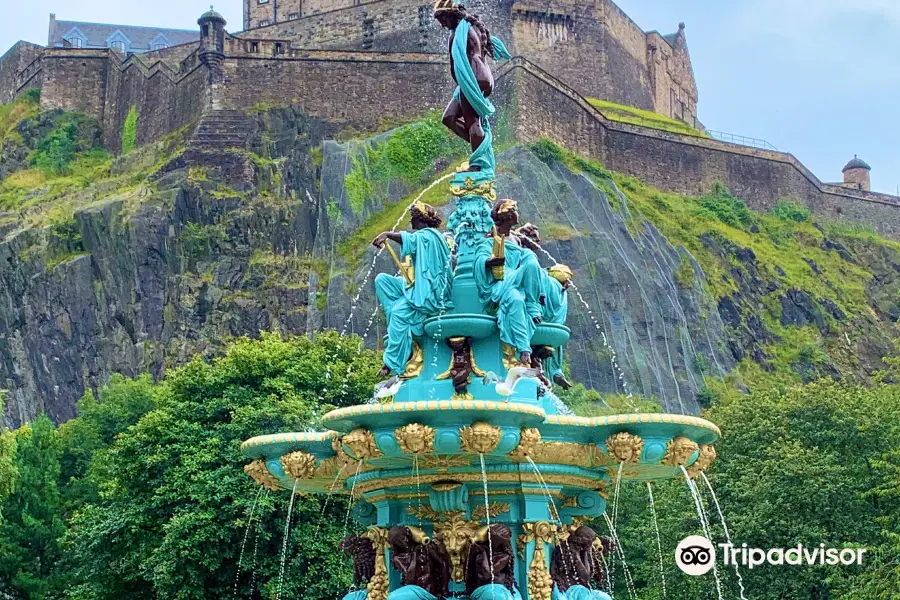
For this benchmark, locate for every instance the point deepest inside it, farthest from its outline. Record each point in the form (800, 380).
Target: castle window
(254, 46)
(263, 1)
(293, 16)
(75, 42)
(117, 45)
(161, 46)
(279, 48)
(265, 23)
(206, 31)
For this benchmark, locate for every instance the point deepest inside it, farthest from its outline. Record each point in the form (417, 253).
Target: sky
(816, 78)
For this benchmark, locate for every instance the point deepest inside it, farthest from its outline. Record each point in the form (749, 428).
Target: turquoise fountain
(471, 481)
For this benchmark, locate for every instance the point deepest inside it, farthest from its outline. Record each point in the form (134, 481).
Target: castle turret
(856, 174)
(212, 50)
(212, 33)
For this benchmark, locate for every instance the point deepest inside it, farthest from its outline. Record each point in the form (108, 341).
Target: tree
(121, 404)
(815, 464)
(33, 525)
(174, 501)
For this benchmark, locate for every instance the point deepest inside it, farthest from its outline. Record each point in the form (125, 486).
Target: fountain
(470, 481)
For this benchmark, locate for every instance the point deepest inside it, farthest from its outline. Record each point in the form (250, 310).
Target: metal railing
(740, 140)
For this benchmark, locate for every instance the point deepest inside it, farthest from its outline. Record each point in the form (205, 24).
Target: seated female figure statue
(405, 304)
(554, 300)
(572, 567)
(517, 294)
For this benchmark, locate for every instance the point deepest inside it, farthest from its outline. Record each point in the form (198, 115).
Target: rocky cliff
(139, 263)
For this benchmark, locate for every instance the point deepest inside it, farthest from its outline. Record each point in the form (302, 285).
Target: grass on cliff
(645, 118)
(789, 249)
(13, 113)
(408, 155)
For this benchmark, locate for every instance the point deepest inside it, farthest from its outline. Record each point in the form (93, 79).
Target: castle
(357, 63)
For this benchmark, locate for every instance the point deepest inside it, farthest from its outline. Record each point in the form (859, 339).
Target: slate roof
(856, 163)
(137, 39)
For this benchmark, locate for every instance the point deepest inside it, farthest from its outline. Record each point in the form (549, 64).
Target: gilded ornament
(443, 461)
(511, 358)
(529, 438)
(426, 513)
(299, 465)
(379, 585)
(259, 472)
(679, 451)
(362, 443)
(456, 534)
(540, 584)
(703, 462)
(470, 188)
(339, 466)
(416, 363)
(479, 512)
(625, 447)
(517, 477)
(569, 453)
(415, 438)
(480, 438)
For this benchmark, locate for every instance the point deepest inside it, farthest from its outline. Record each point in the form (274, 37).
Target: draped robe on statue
(483, 157)
(407, 307)
(517, 295)
(555, 310)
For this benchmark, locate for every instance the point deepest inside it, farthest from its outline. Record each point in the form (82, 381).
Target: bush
(56, 151)
(786, 210)
(547, 151)
(129, 130)
(723, 206)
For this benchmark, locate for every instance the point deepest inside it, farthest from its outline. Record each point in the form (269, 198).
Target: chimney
(52, 32)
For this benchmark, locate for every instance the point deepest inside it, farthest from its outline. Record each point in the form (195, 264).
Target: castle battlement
(353, 66)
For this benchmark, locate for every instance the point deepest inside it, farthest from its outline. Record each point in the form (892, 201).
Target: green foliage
(129, 130)
(547, 151)
(586, 402)
(13, 113)
(814, 464)
(8, 471)
(152, 486)
(56, 151)
(32, 528)
(199, 240)
(730, 210)
(791, 211)
(407, 156)
(645, 118)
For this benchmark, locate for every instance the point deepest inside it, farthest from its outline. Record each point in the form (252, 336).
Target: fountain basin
(445, 437)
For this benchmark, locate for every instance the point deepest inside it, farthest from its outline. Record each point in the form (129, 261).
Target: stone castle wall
(349, 92)
(165, 100)
(19, 70)
(547, 108)
(591, 44)
(103, 85)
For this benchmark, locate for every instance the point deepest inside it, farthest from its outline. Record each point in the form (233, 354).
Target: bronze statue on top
(460, 117)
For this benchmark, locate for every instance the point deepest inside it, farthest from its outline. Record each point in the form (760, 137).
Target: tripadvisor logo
(696, 555)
